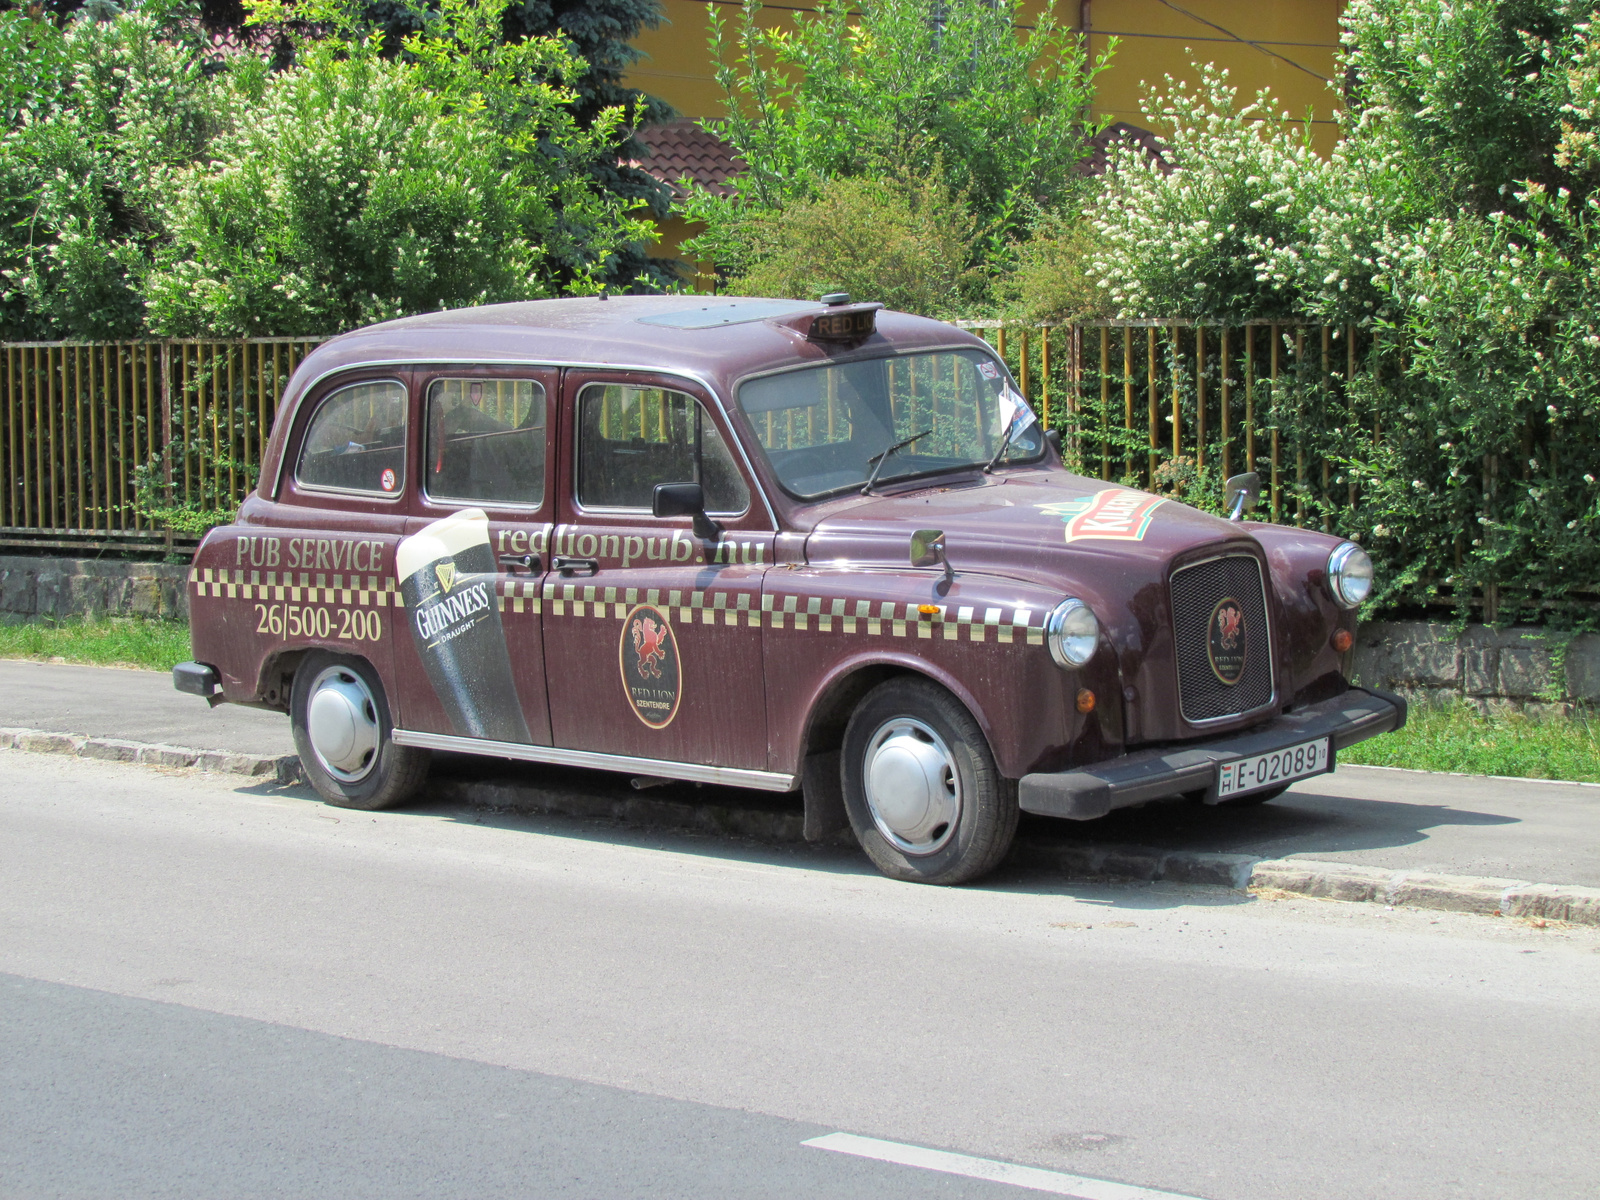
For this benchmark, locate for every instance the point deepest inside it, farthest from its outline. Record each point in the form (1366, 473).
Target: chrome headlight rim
(1351, 589)
(1072, 632)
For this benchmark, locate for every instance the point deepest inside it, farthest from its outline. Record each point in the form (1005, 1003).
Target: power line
(1230, 34)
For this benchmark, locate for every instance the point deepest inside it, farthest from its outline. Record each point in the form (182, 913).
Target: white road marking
(1057, 1183)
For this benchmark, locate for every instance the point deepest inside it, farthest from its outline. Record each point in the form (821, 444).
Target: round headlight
(1349, 575)
(1072, 633)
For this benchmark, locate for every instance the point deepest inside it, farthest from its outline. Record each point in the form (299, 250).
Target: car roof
(715, 339)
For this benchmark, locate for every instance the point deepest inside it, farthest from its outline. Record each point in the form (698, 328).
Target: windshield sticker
(1116, 514)
(651, 674)
(988, 370)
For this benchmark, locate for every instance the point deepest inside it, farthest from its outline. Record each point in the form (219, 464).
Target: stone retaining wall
(70, 587)
(1525, 668)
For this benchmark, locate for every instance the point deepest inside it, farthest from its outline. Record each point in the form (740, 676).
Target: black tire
(909, 724)
(1254, 798)
(385, 776)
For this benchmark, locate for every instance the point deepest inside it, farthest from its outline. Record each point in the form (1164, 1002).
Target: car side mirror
(1053, 436)
(1240, 493)
(685, 500)
(928, 550)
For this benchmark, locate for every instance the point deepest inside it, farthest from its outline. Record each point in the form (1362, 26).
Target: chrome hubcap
(912, 785)
(342, 722)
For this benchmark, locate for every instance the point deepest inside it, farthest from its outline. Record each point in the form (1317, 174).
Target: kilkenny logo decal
(1225, 644)
(1119, 514)
(648, 658)
(446, 571)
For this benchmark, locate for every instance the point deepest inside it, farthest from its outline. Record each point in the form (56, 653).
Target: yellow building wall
(1287, 45)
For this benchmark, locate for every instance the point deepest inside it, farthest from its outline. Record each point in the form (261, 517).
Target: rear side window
(357, 440)
(630, 439)
(486, 440)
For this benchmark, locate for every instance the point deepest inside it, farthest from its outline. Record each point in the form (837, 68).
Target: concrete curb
(1422, 889)
(1306, 877)
(284, 770)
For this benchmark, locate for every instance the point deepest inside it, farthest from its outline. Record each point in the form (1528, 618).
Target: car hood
(1045, 526)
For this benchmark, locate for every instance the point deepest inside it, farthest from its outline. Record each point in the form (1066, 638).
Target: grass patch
(1455, 737)
(109, 642)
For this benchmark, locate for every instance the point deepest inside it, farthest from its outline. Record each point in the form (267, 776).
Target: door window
(632, 438)
(486, 441)
(357, 440)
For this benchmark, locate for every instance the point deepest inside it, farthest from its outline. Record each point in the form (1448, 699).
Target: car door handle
(575, 566)
(528, 562)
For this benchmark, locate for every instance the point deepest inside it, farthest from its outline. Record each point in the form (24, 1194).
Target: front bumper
(1089, 792)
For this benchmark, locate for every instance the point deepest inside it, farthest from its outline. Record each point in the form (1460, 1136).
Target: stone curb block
(120, 750)
(50, 743)
(1141, 863)
(1420, 889)
(111, 749)
(1580, 905)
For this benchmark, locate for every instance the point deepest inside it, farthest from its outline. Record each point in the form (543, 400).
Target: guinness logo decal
(1225, 642)
(446, 571)
(648, 658)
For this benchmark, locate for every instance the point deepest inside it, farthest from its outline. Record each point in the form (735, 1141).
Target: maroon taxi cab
(815, 547)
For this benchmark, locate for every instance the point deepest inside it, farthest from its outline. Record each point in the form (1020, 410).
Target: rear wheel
(924, 796)
(343, 733)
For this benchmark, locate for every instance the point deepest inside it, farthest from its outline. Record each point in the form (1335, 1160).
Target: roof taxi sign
(844, 323)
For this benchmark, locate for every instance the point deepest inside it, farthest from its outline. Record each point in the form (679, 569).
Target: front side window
(486, 441)
(357, 440)
(821, 427)
(632, 438)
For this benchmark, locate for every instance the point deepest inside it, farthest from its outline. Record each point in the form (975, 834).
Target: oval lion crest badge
(651, 673)
(1225, 641)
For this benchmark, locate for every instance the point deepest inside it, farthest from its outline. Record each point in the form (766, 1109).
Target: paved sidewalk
(1360, 816)
(140, 706)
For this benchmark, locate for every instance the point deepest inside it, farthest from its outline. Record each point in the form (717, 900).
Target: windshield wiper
(880, 459)
(1005, 444)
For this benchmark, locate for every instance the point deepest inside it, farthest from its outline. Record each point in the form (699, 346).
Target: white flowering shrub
(1452, 233)
(1198, 235)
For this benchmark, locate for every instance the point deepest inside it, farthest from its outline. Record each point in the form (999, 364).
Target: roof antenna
(603, 295)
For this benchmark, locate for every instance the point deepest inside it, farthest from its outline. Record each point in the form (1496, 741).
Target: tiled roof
(1121, 131)
(681, 148)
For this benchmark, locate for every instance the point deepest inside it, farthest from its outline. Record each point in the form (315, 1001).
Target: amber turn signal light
(1343, 639)
(1085, 700)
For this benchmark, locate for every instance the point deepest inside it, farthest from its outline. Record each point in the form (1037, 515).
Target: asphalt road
(212, 989)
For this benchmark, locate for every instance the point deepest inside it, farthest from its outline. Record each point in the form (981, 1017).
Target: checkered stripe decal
(298, 588)
(873, 617)
(876, 618)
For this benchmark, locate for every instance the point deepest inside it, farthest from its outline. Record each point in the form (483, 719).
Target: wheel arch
(836, 697)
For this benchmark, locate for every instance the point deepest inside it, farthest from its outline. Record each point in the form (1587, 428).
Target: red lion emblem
(1228, 622)
(650, 643)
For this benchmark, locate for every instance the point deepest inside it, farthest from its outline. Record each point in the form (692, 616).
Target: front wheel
(343, 733)
(924, 796)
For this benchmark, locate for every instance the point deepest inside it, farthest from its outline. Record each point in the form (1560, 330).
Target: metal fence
(1141, 398)
(83, 424)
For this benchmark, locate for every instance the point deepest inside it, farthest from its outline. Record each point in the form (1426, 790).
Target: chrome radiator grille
(1223, 645)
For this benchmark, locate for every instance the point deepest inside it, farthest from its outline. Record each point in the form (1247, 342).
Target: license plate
(1273, 769)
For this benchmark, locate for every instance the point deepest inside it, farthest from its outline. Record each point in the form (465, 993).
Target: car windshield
(823, 428)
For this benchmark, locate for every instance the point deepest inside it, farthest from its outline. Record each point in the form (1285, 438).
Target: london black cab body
(775, 544)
